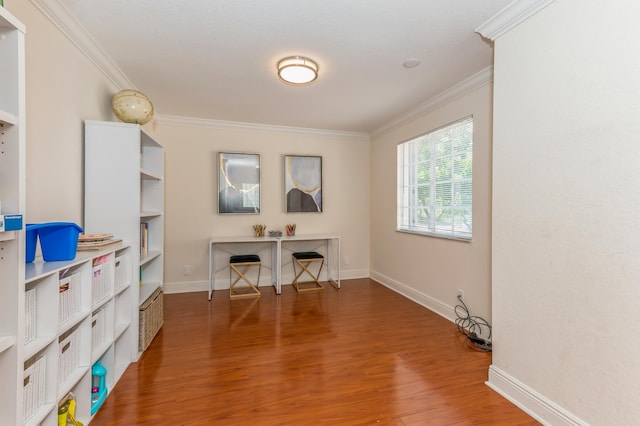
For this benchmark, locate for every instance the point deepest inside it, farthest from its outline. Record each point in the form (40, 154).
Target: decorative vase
(132, 106)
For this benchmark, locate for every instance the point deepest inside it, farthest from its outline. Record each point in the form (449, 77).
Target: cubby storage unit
(58, 358)
(12, 201)
(124, 196)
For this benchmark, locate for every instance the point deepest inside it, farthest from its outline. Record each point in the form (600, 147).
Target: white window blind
(435, 187)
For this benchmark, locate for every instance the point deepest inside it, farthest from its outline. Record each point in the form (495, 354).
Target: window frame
(411, 156)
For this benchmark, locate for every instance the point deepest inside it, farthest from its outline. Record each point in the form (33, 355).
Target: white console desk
(277, 245)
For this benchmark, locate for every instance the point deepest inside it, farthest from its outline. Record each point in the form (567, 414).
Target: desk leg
(212, 268)
(330, 257)
(275, 265)
(338, 260)
(279, 265)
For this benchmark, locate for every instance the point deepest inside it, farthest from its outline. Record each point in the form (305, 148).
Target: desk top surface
(251, 239)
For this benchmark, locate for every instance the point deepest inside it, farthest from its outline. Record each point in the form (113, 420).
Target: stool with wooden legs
(304, 259)
(241, 264)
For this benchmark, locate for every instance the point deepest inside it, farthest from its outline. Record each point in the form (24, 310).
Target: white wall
(566, 198)
(427, 269)
(63, 89)
(191, 217)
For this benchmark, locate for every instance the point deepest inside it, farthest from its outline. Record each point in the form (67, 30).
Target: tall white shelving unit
(12, 199)
(77, 312)
(124, 189)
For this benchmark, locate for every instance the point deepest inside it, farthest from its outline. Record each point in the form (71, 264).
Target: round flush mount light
(297, 70)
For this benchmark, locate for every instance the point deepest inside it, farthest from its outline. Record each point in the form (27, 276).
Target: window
(435, 182)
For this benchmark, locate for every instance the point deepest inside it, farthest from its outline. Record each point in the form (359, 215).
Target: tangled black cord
(472, 328)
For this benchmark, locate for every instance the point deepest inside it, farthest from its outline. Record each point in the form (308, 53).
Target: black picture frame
(303, 183)
(238, 183)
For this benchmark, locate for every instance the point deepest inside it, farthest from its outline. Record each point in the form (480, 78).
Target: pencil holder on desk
(291, 230)
(259, 230)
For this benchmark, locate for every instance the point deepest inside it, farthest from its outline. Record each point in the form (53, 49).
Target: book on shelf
(144, 237)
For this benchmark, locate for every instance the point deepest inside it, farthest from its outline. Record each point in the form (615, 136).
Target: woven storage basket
(151, 319)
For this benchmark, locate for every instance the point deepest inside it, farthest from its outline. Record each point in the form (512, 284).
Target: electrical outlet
(460, 294)
(186, 270)
(346, 260)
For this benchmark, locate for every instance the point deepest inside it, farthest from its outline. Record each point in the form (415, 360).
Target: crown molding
(511, 16)
(69, 26)
(175, 120)
(463, 88)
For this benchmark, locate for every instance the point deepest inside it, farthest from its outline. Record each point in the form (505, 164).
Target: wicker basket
(151, 319)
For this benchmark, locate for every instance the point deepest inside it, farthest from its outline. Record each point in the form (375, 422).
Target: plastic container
(32, 241)
(58, 240)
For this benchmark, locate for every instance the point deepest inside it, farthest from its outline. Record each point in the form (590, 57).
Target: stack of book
(95, 241)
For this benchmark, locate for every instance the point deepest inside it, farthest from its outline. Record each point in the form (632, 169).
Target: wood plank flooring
(361, 355)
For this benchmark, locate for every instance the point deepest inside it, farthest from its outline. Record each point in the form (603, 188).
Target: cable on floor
(472, 327)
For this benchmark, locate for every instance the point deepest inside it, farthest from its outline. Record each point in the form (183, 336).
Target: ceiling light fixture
(297, 70)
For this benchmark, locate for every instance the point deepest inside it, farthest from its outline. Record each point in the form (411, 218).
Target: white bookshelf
(124, 188)
(12, 201)
(67, 343)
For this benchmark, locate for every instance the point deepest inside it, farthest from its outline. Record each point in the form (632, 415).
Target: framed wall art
(238, 183)
(303, 183)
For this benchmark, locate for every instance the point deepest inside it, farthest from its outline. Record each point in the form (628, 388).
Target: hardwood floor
(361, 355)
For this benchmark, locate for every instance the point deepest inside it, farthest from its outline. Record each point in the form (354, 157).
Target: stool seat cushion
(244, 258)
(307, 255)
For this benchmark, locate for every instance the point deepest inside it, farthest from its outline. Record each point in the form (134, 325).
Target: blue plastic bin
(32, 240)
(58, 240)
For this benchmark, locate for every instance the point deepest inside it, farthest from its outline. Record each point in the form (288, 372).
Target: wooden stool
(241, 264)
(303, 259)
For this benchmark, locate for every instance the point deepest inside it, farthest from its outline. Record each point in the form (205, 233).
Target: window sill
(435, 235)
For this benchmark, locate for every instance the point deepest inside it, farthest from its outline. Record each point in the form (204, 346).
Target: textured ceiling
(216, 59)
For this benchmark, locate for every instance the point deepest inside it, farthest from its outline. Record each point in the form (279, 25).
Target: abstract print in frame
(303, 183)
(238, 183)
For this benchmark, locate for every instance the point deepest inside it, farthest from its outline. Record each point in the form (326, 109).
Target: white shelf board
(149, 256)
(8, 118)
(71, 381)
(144, 174)
(97, 352)
(144, 215)
(37, 344)
(40, 414)
(7, 236)
(120, 328)
(6, 342)
(147, 289)
(71, 322)
(120, 289)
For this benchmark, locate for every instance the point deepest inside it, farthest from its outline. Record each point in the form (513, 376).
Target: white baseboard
(430, 303)
(529, 401)
(186, 287)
